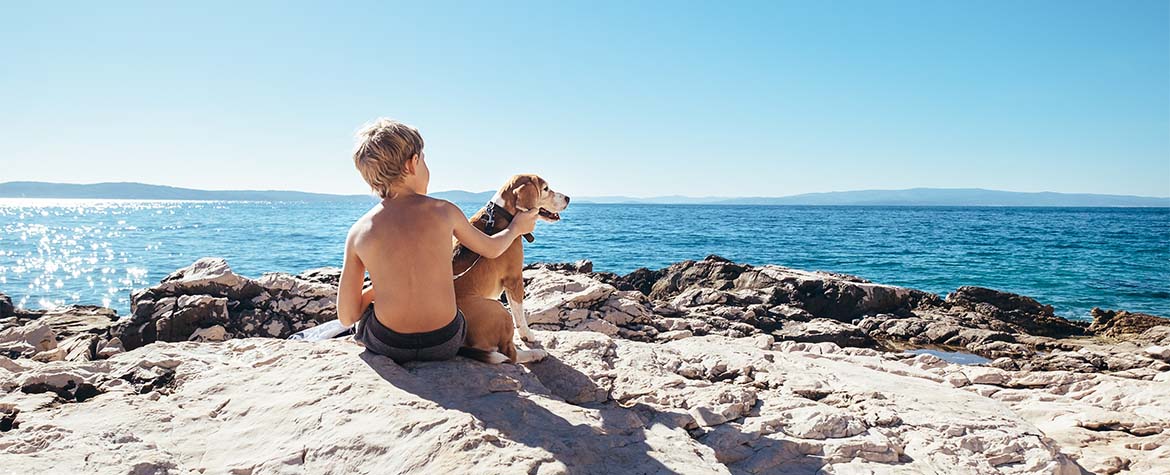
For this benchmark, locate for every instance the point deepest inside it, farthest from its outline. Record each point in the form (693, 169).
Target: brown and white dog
(479, 280)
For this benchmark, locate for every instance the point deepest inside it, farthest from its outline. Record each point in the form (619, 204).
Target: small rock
(110, 348)
(599, 326)
(27, 340)
(675, 335)
(215, 333)
(1160, 352)
(985, 375)
(671, 324)
(55, 354)
(721, 405)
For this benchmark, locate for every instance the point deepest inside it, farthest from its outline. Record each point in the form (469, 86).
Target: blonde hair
(381, 152)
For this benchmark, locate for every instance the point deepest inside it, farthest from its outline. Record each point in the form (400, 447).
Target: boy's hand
(524, 222)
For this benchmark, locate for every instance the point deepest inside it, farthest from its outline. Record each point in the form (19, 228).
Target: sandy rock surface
(597, 405)
(703, 367)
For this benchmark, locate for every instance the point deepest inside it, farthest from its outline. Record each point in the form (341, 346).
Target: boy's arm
(489, 246)
(367, 297)
(349, 289)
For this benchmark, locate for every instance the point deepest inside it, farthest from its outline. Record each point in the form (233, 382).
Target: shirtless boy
(405, 244)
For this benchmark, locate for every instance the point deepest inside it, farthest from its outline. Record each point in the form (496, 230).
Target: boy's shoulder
(437, 206)
(437, 201)
(440, 204)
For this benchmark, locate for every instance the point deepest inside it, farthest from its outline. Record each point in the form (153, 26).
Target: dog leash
(489, 219)
(473, 263)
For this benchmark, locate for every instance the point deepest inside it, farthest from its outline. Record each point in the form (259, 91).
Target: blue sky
(629, 98)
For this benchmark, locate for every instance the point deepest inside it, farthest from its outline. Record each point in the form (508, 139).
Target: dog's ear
(527, 196)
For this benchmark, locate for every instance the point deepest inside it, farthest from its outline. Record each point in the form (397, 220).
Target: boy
(405, 244)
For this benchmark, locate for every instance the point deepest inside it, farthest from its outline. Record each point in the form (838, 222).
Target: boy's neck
(406, 190)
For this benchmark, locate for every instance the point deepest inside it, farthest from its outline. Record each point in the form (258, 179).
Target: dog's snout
(566, 199)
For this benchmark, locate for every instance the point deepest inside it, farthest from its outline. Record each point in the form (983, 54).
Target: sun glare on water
(69, 250)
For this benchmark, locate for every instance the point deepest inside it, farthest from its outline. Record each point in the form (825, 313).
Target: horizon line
(584, 196)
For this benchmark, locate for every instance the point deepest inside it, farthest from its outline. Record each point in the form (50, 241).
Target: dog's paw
(526, 335)
(531, 356)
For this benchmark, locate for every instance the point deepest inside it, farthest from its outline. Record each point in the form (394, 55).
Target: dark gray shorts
(441, 344)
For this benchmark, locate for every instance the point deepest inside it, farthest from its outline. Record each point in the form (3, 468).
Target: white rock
(1160, 352)
(985, 375)
(33, 337)
(599, 326)
(719, 405)
(551, 295)
(675, 335)
(214, 333)
(764, 341)
(111, 348)
(55, 354)
(78, 347)
(822, 422)
(217, 305)
(205, 271)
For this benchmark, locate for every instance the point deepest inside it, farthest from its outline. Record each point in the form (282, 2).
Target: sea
(57, 252)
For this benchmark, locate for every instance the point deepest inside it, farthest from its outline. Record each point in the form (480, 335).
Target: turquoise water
(55, 252)
(952, 356)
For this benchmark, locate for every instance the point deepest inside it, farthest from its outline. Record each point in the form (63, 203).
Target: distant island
(142, 191)
(909, 197)
(913, 197)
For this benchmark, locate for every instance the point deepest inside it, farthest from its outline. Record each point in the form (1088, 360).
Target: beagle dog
(479, 281)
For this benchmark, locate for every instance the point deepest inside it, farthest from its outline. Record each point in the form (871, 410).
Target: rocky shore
(702, 367)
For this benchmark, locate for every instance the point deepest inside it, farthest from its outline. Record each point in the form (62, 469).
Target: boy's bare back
(405, 244)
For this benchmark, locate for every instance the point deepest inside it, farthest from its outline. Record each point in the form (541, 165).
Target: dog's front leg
(514, 289)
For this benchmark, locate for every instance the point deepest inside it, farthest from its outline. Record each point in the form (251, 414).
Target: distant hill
(954, 197)
(460, 196)
(141, 191)
(910, 197)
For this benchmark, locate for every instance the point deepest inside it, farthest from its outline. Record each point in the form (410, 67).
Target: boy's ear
(411, 166)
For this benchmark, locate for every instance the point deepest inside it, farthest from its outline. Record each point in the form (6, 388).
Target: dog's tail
(489, 357)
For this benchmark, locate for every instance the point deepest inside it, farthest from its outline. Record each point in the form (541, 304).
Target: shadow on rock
(557, 409)
(600, 440)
